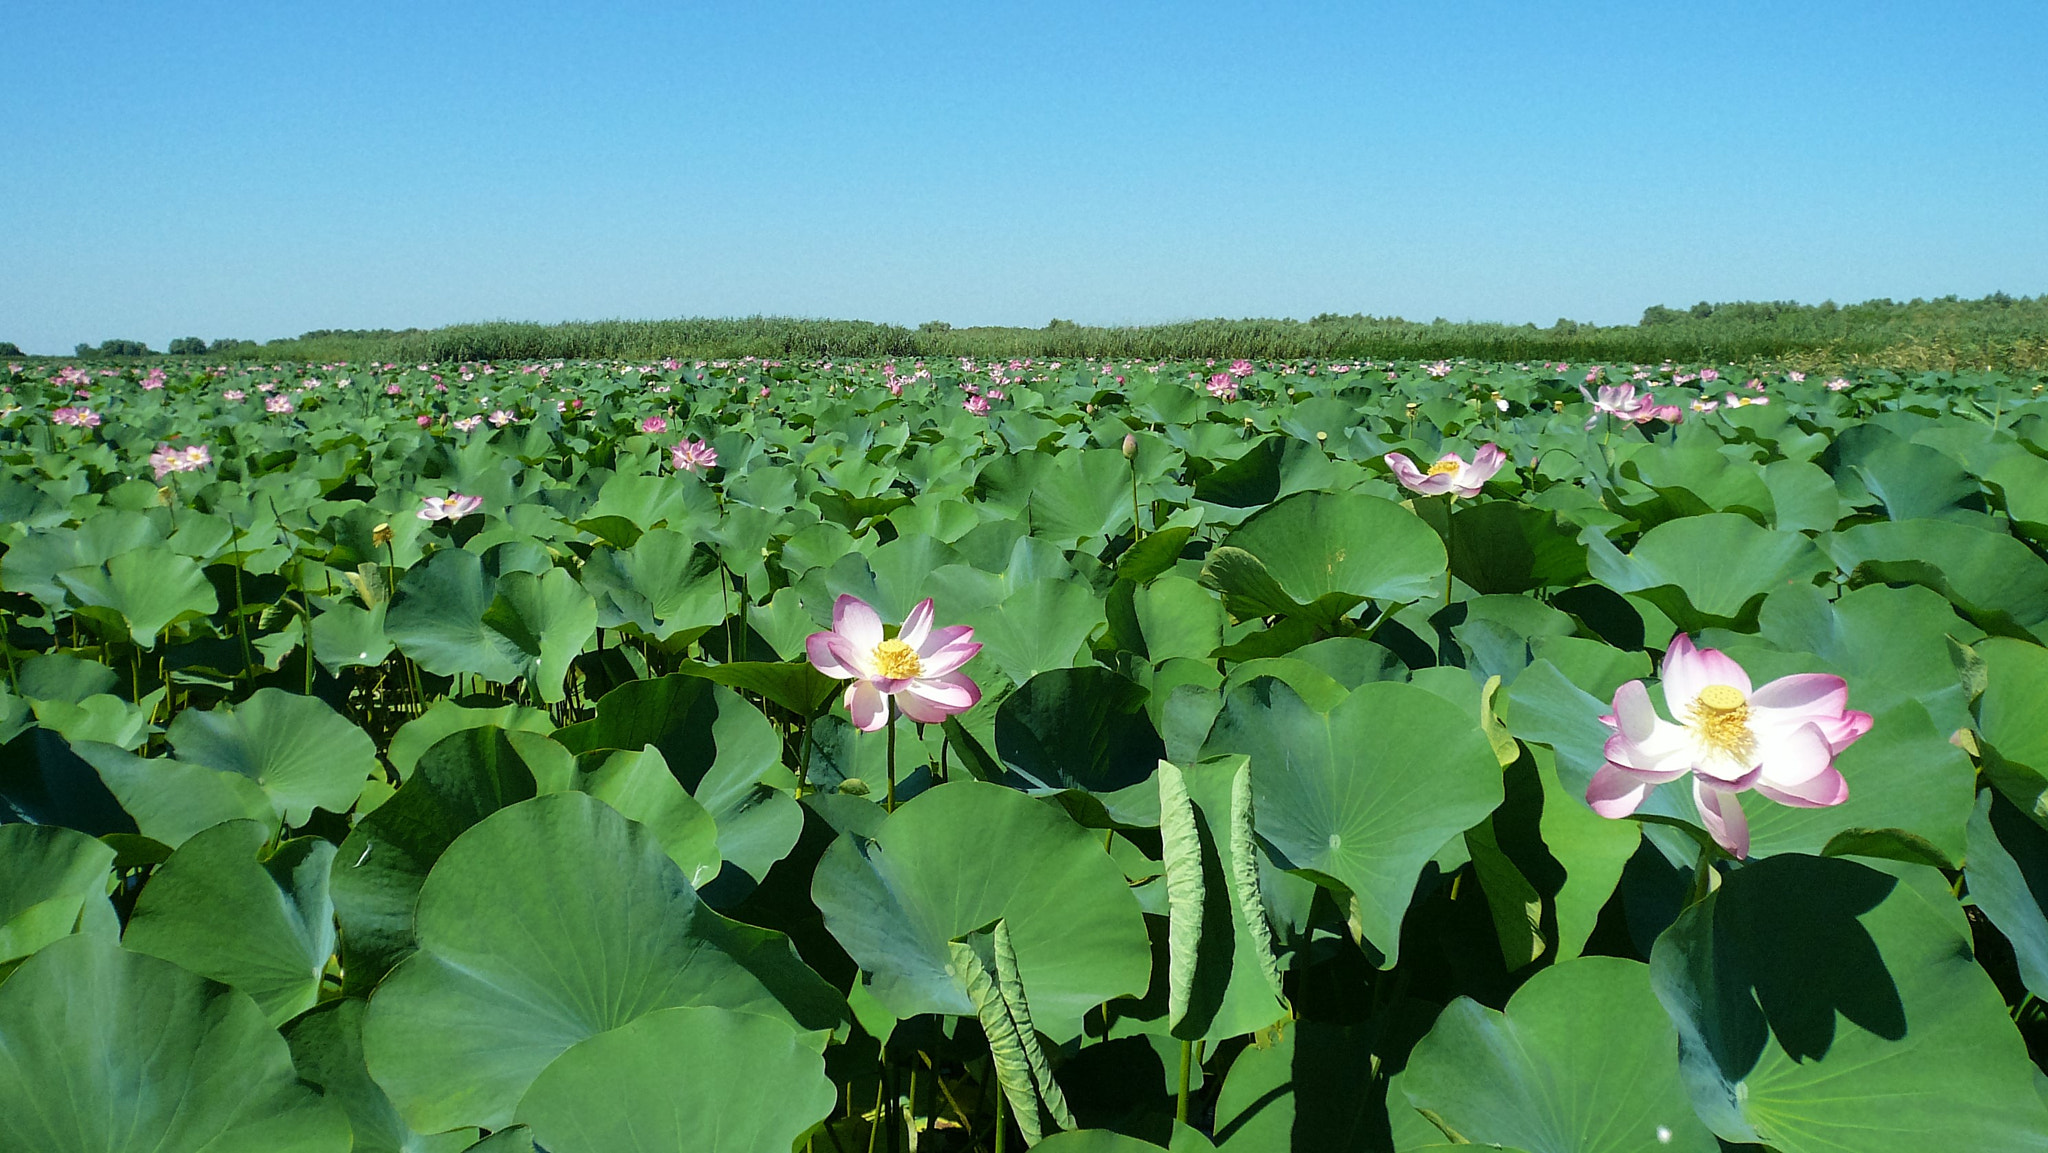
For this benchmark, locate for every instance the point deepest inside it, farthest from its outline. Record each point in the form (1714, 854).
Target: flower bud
(1130, 445)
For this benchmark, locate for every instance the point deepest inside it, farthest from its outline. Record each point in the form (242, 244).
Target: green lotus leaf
(442, 717)
(1085, 731)
(172, 800)
(640, 786)
(1994, 579)
(107, 1051)
(1705, 571)
(1910, 480)
(664, 584)
(1042, 625)
(53, 882)
(719, 746)
(953, 860)
(1499, 546)
(1362, 794)
(467, 776)
(33, 563)
(303, 753)
(1583, 1061)
(147, 590)
(327, 1047)
(2008, 875)
(1273, 467)
(1348, 547)
(1815, 996)
(546, 923)
(1301, 1091)
(349, 636)
(2012, 718)
(225, 909)
(548, 619)
(653, 1084)
(438, 619)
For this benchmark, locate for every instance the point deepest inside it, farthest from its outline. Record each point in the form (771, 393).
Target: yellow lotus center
(896, 660)
(1720, 714)
(1443, 466)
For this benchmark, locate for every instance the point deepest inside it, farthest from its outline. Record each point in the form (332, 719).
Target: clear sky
(255, 170)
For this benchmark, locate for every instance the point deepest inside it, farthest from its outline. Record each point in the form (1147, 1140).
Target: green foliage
(324, 824)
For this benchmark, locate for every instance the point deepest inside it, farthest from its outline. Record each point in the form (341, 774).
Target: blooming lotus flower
(195, 456)
(278, 404)
(1223, 386)
(654, 424)
(1450, 473)
(1837, 384)
(469, 423)
(1779, 740)
(1239, 368)
(917, 669)
(1440, 369)
(454, 506)
(234, 394)
(978, 405)
(502, 417)
(165, 461)
(1616, 400)
(75, 417)
(693, 455)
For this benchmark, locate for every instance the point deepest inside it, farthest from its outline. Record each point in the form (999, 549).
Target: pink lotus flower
(1238, 368)
(1780, 740)
(454, 506)
(1223, 386)
(654, 424)
(1709, 375)
(164, 461)
(234, 394)
(693, 455)
(1705, 405)
(392, 390)
(278, 404)
(75, 417)
(425, 420)
(1795, 376)
(153, 381)
(1450, 473)
(1440, 369)
(502, 417)
(167, 460)
(469, 423)
(1616, 400)
(918, 668)
(1837, 384)
(978, 405)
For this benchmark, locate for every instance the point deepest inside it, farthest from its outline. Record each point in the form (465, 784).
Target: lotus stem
(889, 722)
(1187, 1069)
(875, 1123)
(803, 759)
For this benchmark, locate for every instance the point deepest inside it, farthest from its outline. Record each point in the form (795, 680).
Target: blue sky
(257, 170)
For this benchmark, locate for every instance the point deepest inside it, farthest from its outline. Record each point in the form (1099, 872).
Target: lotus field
(1098, 757)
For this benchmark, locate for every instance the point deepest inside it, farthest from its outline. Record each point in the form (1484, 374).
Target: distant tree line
(2000, 329)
